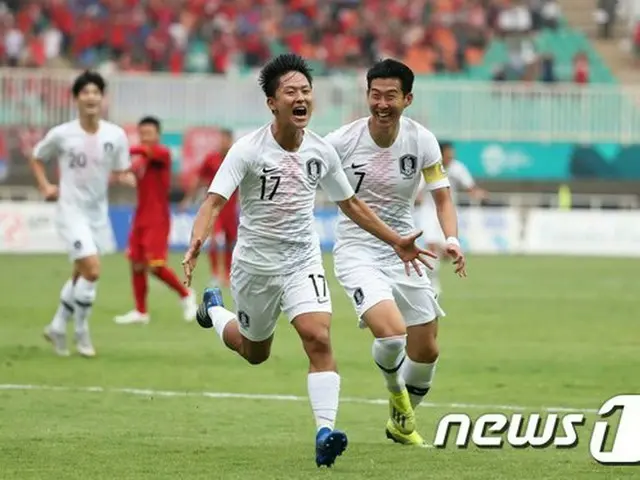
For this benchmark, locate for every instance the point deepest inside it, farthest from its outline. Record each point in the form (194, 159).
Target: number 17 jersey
(277, 234)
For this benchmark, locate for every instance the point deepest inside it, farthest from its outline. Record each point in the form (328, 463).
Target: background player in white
(426, 214)
(90, 152)
(277, 263)
(384, 156)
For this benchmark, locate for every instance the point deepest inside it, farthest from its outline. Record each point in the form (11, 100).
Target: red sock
(213, 259)
(140, 290)
(169, 277)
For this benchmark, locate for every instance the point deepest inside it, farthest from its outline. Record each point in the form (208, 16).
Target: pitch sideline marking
(143, 392)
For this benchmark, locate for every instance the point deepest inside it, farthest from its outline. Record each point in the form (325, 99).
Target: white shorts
(426, 219)
(83, 237)
(259, 299)
(368, 285)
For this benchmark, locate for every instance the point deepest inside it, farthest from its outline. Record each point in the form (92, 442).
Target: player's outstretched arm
(448, 219)
(206, 216)
(406, 248)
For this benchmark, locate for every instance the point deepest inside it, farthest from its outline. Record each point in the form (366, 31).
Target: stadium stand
(449, 39)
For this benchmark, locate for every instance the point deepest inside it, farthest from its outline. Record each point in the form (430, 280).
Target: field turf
(520, 332)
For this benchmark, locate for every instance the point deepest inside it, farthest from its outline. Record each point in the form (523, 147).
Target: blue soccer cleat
(211, 297)
(329, 445)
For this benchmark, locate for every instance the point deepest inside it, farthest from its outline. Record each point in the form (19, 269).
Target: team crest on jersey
(408, 165)
(358, 296)
(314, 167)
(108, 147)
(243, 319)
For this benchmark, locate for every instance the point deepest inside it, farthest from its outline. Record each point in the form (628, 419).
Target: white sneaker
(58, 340)
(133, 316)
(190, 306)
(84, 345)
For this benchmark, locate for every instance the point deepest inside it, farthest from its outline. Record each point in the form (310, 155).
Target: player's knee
(155, 270)
(89, 268)
(138, 267)
(256, 358)
(317, 341)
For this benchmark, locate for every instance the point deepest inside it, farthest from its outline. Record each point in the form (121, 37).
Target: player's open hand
(455, 253)
(50, 192)
(411, 254)
(189, 262)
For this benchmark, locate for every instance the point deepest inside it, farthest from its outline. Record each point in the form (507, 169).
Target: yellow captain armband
(434, 173)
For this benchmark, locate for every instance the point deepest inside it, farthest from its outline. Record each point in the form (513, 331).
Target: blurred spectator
(218, 36)
(547, 67)
(581, 68)
(606, 17)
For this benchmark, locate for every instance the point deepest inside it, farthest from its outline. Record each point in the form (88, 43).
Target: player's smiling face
(386, 101)
(293, 101)
(90, 100)
(148, 134)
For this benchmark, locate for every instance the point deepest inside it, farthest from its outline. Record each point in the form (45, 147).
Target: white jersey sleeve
(433, 172)
(461, 176)
(335, 181)
(232, 170)
(48, 148)
(122, 158)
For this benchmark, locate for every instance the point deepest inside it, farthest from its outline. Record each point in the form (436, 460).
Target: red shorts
(149, 245)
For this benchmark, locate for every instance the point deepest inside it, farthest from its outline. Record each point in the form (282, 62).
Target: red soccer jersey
(207, 171)
(153, 170)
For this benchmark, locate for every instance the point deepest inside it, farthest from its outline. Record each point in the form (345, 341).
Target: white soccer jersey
(387, 179)
(85, 162)
(277, 233)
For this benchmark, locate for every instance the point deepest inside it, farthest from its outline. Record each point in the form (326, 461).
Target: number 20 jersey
(85, 163)
(387, 179)
(277, 234)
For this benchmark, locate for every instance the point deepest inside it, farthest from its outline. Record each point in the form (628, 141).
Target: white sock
(84, 295)
(324, 395)
(65, 308)
(418, 378)
(388, 353)
(220, 316)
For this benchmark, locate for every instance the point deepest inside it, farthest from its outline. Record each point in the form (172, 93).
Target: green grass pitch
(533, 332)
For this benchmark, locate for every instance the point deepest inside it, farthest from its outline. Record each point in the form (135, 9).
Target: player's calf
(314, 331)
(419, 367)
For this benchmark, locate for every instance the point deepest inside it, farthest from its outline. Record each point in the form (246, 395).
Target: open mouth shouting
(300, 112)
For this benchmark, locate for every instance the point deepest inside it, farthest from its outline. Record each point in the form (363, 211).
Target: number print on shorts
(320, 286)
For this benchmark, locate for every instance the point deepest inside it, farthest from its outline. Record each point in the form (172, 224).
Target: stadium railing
(452, 109)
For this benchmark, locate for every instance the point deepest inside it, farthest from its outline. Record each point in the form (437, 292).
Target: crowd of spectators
(219, 35)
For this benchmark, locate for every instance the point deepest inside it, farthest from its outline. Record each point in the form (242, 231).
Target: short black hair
(445, 145)
(88, 77)
(150, 120)
(276, 67)
(390, 68)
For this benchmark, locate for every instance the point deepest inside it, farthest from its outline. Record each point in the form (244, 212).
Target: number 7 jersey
(387, 179)
(277, 234)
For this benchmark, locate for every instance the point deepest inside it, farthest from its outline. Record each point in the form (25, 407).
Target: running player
(277, 264)
(149, 237)
(426, 215)
(384, 157)
(89, 151)
(227, 222)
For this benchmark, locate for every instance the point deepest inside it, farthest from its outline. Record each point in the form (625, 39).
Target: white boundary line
(142, 392)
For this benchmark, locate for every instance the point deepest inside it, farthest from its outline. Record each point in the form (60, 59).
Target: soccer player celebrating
(277, 264)
(426, 215)
(89, 151)
(227, 221)
(384, 156)
(149, 237)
